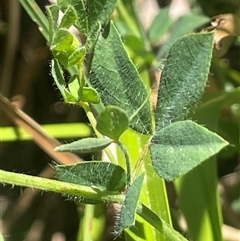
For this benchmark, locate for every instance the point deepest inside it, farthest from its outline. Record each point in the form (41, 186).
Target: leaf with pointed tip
(160, 25)
(76, 57)
(97, 174)
(129, 207)
(65, 41)
(53, 13)
(85, 145)
(89, 94)
(58, 77)
(80, 8)
(185, 24)
(64, 46)
(92, 15)
(181, 146)
(112, 122)
(183, 77)
(117, 81)
(69, 18)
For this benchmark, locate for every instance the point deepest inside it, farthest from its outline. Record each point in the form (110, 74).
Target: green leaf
(73, 88)
(202, 181)
(181, 146)
(160, 25)
(161, 226)
(92, 15)
(183, 78)
(80, 8)
(66, 46)
(65, 41)
(69, 18)
(100, 11)
(85, 145)
(76, 57)
(53, 13)
(129, 207)
(57, 74)
(90, 95)
(183, 25)
(112, 122)
(96, 174)
(58, 77)
(136, 143)
(117, 81)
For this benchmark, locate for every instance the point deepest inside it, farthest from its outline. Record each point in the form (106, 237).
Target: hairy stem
(58, 186)
(93, 122)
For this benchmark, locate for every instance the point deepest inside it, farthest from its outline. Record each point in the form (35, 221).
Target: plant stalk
(58, 187)
(87, 192)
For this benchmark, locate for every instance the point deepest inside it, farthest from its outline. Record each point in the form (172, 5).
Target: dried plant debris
(227, 27)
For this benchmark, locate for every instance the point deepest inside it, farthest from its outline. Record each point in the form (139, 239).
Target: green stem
(128, 19)
(128, 163)
(93, 122)
(140, 160)
(130, 16)
(59, 187)
(87, 192)
(86, 223)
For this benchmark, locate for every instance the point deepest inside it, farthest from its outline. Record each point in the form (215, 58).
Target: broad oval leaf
(129, 207)
(112, 122)
(96, 174)
(85, 145)
(181, 146)
(90, 95)
(117, 81)
(183, 77)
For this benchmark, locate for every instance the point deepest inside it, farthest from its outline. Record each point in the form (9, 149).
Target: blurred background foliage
(25, 80)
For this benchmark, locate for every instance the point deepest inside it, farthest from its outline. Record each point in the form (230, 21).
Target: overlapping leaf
(86, 145)
(116, 79)
(128, 211)
(92, 15)
(112, 122)
(183, 78)
(97, 174)
(181, 146)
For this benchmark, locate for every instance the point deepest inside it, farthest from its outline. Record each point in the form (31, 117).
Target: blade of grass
(37, 15)
(61, 130)
(204, 217)
(86, 223)
(153, 185)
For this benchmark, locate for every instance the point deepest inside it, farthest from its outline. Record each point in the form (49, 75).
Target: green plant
(106, 84)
